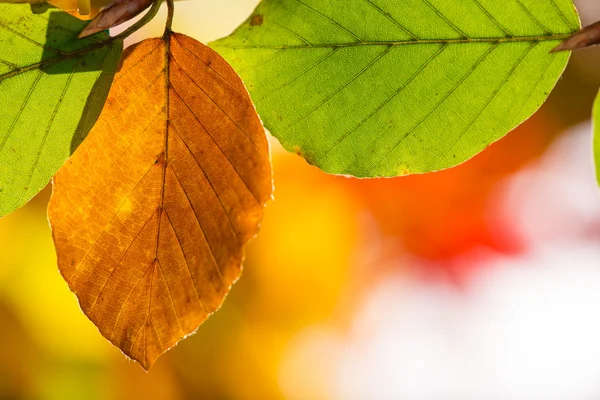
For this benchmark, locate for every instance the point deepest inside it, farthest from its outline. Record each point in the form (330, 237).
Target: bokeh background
(480, 282)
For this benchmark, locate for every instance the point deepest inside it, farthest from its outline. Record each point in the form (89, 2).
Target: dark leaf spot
(257, 20)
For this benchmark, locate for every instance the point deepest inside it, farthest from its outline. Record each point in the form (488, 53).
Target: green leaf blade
(377, 88)
(52, 89)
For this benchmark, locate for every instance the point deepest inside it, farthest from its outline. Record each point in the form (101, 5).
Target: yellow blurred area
(322, 244)
(294, 276)
(83, 9)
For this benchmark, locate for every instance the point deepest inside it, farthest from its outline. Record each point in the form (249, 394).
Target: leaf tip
(558, 49)
(89, 31)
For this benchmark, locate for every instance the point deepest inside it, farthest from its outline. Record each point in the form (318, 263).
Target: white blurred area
(524, 327)
(588, 9)
(556, 200)
(204, 20)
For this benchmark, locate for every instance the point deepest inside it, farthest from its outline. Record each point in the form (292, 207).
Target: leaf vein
(207, 179)
(314, 65)
(170, 295)
(492, 18)
(328, 18)
(216, 144)
(487, 103)
(21, 109)
(562, 15)
(112, 272)
(208, 67)
(446, 96)
(187, 264)
(446, 20)
(42, 145)
(532, 17)
(292, 32)
(210, 248)
(552, 58)
(392, 19)
(109, 223)
(344, 86)
(122, 307)
(19, 34)
(385, 102)
(217, 105)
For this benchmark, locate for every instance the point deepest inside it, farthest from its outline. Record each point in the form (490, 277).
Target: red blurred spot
(444, 215)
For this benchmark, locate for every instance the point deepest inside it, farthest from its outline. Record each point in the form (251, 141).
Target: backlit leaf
(52, 89)
(596, 122)
(151, 214)
(384, 87)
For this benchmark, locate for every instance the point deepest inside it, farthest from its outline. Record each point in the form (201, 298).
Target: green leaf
(376, 88)
(596, 122)
(52, 89)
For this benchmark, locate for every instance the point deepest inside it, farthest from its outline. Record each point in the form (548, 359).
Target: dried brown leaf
(117, 13)
(151, 214)
(587, 37)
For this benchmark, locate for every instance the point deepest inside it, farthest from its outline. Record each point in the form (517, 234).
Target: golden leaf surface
(82, 9)
(151, 214)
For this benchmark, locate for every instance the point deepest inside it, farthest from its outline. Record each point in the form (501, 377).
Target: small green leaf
(52, 89)
(375, 88)
(596, 123)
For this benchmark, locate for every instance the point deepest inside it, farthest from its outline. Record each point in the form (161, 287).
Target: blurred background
(480, 282)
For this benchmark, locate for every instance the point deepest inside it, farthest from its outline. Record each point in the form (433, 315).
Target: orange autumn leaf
(151, 214)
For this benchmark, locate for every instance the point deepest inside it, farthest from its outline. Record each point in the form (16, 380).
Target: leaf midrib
(513, 39)
(66, 56)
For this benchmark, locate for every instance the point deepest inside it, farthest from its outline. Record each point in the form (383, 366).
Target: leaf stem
(170, 12)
